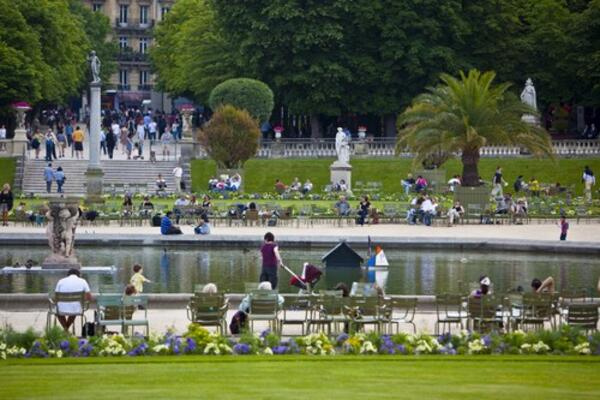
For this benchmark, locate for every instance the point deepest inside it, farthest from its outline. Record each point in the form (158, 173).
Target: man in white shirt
(152, 126)
(454, 182)
(429, 210)
(2, 136)
(177, 174)
(68, 311)
(588, 180)
(141, 136)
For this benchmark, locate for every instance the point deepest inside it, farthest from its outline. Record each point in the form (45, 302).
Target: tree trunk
(315, 126)
(470, 161)
(389, 123)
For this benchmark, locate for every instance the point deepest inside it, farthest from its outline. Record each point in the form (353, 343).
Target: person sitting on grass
(307, 187)
(280, 187)
(547, 286)
(296, 185)
(420, 184)
(167, 227)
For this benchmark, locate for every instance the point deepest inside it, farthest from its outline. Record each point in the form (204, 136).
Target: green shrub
(230, 137)
(246, 94)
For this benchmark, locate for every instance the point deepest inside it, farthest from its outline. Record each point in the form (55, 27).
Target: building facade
(132, 22)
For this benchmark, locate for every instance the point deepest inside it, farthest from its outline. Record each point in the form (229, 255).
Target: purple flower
(445, 338)
(280, 349)
(190, 345)
(487, 340)
(81, 343)
(401, 349)
(241, 348)
(265, 333)
(64, 345)
(341, 338)
(36, 351)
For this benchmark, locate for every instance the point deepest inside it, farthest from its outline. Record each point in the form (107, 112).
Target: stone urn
(362, 132)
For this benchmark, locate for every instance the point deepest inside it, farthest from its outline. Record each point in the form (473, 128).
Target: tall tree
(190, 54)
(463, 115)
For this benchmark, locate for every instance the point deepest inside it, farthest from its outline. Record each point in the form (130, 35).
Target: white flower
(268, 351)
(476, 346)
(159, 348)
(583, 348)
(16, 351)
(541, 347)
(368, 348)
(212, 348)
(525, 348)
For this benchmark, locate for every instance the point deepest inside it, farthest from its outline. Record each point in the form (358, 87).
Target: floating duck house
(342, 256)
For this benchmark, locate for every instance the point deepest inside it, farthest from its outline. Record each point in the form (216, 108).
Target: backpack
(238, 322)
(156, 220)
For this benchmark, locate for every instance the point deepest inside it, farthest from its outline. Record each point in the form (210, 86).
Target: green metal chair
(295, 311)
(362, 311)
(264, 306)
(449, 311)
(109, 311)
(536, 310)
(399, 310)
(130, 305)
(208, 309)
(58, 297)
(583, 316)
(327, 311)
(485, 313)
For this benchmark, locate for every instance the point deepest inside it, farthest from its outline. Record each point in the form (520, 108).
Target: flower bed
(197, 340)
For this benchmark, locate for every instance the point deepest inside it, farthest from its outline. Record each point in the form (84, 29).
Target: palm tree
(462, 115)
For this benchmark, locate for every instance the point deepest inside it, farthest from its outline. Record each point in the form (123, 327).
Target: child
(137, 279)
(564, 227)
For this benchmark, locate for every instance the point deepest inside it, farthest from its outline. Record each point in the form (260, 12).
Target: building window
(123, 11)
(143, 15)
(123, 42)
(163, 12)
(143, 45)
(143, 78)
(97, 7)
(123, 77)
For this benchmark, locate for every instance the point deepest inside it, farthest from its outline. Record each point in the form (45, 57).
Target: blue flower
(64, 345)
(241, 348)
(190, 345)
(280, 349)
(341, 338)
(487, 340)
(264, 333)
(445, 338)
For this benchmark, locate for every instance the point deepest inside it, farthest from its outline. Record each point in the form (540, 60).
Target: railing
(128, 55)
(145, 88)
(134, 24)
(123, 87)
(385, 147)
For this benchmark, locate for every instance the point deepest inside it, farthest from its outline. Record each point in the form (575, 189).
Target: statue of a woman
(95, 65)
(528, 95)
(342, 148)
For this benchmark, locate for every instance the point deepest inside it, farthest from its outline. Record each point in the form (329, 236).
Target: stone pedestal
(62, 218)
(94, 173)
(340, 170)
(186, 144)
(530, 119)
(361, 149)
(277, 150)
(19, 141)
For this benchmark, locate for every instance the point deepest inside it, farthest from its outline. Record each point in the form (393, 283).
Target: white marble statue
(95, 66)
(342, 146)
(528, 95)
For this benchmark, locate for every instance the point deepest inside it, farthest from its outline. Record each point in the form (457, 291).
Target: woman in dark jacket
(6, 203)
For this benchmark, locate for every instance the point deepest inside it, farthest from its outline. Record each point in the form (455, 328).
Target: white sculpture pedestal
(94, 173)
(530, 119)
(341, 171)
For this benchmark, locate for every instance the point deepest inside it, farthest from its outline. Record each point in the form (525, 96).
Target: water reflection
(411, 272)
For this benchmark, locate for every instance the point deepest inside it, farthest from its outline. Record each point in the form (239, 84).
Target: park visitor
(534, 187)
(50, 142)
(60, 178)
(61, 139)
(519, 184)
(363, 210)
(454, 182)
(498, 182)
(547, 286)
(203, 227)
(78, 137)
(178, 174)
(484, 287)
(264, 285)
(408, 183)
(271, 259)
(455, 213)
(6, 203)
(564, 227)
(36, 142)
(48, 177)
(420, 184)
(429, 209)
(307, 187)
(67, 311)
(2, 137)
(167, 227)
(588, 180)
(343, 207)
(138, 279)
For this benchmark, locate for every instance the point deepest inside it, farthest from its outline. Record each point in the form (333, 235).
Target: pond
(411, 272)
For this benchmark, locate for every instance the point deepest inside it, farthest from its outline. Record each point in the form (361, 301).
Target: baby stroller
(308, 279)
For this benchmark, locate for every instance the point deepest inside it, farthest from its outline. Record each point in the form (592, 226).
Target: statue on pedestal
(95, 65)
(342, 146)
(528, 95)
(62, 222)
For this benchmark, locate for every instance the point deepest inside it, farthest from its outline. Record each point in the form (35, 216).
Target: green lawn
(7, 171)
(260, 174)
(288, 377)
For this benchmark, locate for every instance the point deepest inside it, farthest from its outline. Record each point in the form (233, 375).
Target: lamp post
(20, 139)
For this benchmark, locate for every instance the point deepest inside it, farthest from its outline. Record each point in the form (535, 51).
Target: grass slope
(7, 171)
(342, 377)
(260, 174)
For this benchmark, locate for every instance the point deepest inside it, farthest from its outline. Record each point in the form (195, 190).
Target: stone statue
(528, 95)
(342, 147)
(95, 65)
(62, 221)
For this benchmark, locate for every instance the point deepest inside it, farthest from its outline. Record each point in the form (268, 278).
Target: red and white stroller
(307, 280)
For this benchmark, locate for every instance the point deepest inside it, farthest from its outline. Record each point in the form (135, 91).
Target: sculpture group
(60, 231)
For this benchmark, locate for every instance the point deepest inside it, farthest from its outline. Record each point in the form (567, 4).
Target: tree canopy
(246, 94)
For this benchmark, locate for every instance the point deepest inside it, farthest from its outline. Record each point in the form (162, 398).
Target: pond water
(410, 272)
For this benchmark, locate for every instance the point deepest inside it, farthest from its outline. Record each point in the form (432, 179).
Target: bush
(247, 94)
(230, 137)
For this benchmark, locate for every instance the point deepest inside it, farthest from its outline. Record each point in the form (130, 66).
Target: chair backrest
(404, 306)
(110, 306)
(483, 307)
(363, 289)
(137, 300)
(69, 297)
(367, 306)
(334, 293)
(447, 304)
(297, 302)
(537, 305)
(264, 302)
(250, 286)
(330, 305)
(252, 215)
(579, 295)
(111, 289)
(584, 315)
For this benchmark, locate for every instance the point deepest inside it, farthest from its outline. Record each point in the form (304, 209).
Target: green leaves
(246, 94)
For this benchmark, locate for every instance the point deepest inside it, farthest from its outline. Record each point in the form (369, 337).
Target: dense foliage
(197, 340)
(230, 137)
(363, 56)
(462, 116)
(245, 94)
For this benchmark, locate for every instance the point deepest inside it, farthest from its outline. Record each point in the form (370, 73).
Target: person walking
(564, 227)
(62, 143)
(271, 259)
(141, 136)
(36, 143)
(178, 174)
(6, 203)
(50, 142)
(60, 178)
(103, 141)
(48, 177)
(78, 137)
(498, 181)
(111, 143)
(588, 180)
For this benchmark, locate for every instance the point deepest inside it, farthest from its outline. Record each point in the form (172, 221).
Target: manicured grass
(7, 171)
(260, 174)
(288, 377)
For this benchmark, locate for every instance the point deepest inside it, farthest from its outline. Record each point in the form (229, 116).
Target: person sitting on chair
(547, 286)
(161, 186)
(66, 312)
